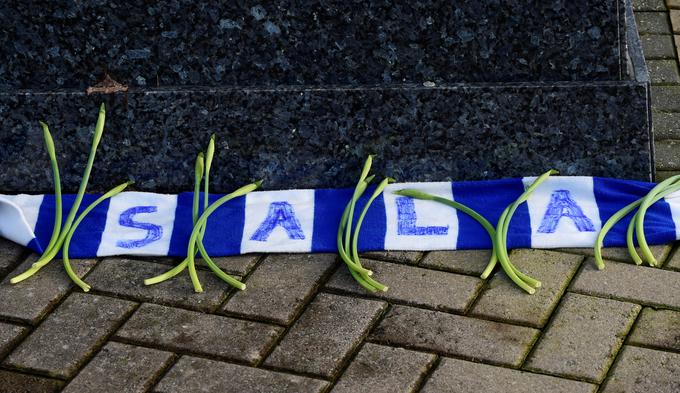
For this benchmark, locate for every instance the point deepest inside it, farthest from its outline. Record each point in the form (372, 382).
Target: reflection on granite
(319, 137)
(70, 44)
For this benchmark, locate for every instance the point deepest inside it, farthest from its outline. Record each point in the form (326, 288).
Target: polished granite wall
(319, 137)
(70, 44)
(299, 93)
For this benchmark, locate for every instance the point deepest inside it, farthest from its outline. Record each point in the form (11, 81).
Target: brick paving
(303, 325)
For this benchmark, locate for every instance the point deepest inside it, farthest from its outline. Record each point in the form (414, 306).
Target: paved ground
(304, 326)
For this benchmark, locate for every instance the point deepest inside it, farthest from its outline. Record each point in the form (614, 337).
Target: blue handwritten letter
(153, 232)
(406, 220)
(280, 213)
(562, 205)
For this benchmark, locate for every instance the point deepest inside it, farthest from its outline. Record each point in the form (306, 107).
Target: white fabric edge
(14, 225)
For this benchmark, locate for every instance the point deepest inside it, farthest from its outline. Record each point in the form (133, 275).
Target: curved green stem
(67, 242)
(219, 272)
(191, 265)
(344, 231)
(518, 277)
(355, 238)
(199, 168)
(630, 242)
(609, 224)
(353, 269)
(657, 193)
(358, 192)
(503, 253)
(210, 153)
(648, 201)
(505, 260)
(48, 256)
(167, 275)
(191, 249)
(470, 212)
(49, 145)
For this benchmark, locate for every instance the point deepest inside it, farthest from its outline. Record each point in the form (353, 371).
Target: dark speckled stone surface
(70, 44)
(300, 137)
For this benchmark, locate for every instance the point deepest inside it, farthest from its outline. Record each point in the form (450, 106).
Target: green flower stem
(629, 233)
(505, 261)
(355, 238)
(642, 211)
(361, 274)
(344, 228)
(358, 192)
(616, 217)
(470, 212)
(198, 175)
(49, 145)
(199, 168)
(353, 269)
(630, 243)
(167, 275)
(363, 182)
(637, 223)
(210, 153)
(525, 282)
(202, 221)
(67, 242)
(48, 256)
(503, 251)
(218, 272)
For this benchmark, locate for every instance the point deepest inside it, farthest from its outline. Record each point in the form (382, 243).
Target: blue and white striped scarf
(562, 212)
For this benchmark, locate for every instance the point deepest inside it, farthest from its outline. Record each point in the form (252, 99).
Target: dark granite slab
(70, 44)
(299, 137)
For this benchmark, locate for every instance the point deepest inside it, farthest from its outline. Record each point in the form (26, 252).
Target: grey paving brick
(621, 254)
(583, 338)
(653, 22)
(459, 261)
(409, 257)
(190, 331)
(328, 331)
(70, 335)
(502, 300)
(10, 335)
(461, 376)
(666, 125)
(125, 277)
(10, 254)
(666, 98)
(37, 295)
(192, 374)
(413, 285)
(663, 71)
(455, 335)
(639, 284)
(13, 382)
(649, 5)
(120, 368)
(658, 46)
(237, 264)
(673, 262)
(675, 20)
(644, 370)
(281, 286)
(663, 175)
(378, 369)
(657, 328)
